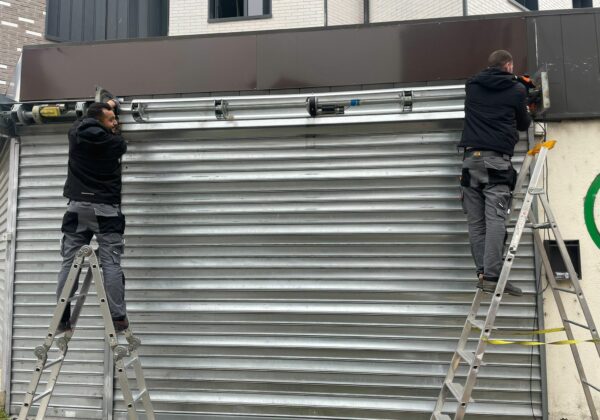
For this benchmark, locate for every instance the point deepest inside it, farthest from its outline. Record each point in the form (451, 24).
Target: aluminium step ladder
(120, 352)
(462, 393)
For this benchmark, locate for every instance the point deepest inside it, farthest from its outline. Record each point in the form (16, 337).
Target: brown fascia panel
(409, 52)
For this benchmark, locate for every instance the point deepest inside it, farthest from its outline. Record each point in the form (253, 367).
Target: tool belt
(472, 152)
(498, 173)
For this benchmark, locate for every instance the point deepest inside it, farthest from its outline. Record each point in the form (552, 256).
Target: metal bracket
(406, 100)
(138, 112)
(221, 110)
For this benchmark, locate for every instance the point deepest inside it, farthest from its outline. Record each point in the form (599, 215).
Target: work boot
(490, 286)
(121, 325)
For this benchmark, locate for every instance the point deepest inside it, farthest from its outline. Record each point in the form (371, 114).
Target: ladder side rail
(33, 384)
(568, 330)
(125, 388)
(464, 337)
(53, 378)
(529, 159)
(142, 387)
(72, 278)
(42, 351)
(111, 335)
(572, 273)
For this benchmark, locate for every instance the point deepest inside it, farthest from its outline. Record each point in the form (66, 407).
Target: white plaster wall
(188, 17)
(555, 4)
(345, 12)
(572, 166)
(391, 10)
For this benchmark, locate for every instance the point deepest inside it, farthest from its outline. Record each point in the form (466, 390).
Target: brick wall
(391, 10)
(22, 22)
(191, 17)
(345, 12)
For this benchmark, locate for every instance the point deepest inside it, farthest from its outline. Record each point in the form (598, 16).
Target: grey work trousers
(486, 205)
(81, 222)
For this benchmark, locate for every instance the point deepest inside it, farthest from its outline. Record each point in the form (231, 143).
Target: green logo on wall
(588, 211)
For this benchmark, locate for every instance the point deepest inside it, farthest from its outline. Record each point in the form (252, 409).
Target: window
(578, 4)
(530, 4)
(238, 9)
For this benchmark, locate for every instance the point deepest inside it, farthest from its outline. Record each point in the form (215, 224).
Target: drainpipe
(366, 11)
(325, 11)
(465, 7)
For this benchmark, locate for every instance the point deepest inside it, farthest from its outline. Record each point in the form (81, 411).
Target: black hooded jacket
(495, 108)
(94, 172)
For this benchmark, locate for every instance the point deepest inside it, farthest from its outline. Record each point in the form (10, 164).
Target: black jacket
(495, 108)
(94, 163)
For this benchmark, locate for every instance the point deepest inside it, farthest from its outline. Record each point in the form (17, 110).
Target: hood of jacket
(90, 128)
(494, 79)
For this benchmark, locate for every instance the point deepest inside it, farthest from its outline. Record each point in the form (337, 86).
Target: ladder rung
(546, 225)
(130, 362)
(561, 289)
(477, 323)
(140, 395)
(75, 297)
(468, 357)
(42, 395)
(535, 191)
(457, 390)
(591, 386)
(441, 416)
(518, 195)
(577, 324)
(53, 362)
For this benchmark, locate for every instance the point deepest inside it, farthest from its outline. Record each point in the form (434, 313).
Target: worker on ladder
(93, 188)
(495, 108)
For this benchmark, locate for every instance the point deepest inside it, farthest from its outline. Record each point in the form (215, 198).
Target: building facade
(23, 22)
(264, 339)
(188, 17)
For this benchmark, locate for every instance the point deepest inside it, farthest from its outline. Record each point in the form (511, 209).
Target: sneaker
(121, 325)
(490, 286)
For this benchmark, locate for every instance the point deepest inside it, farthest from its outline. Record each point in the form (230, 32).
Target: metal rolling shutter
(307, 272)
(308, 276)
(80, 389)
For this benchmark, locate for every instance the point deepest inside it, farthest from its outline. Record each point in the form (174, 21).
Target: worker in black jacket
(93, 188)
(495, 110)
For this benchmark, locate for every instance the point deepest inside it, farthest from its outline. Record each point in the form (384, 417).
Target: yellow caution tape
(500, 342)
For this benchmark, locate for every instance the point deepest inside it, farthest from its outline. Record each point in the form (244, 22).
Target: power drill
(534, 93)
